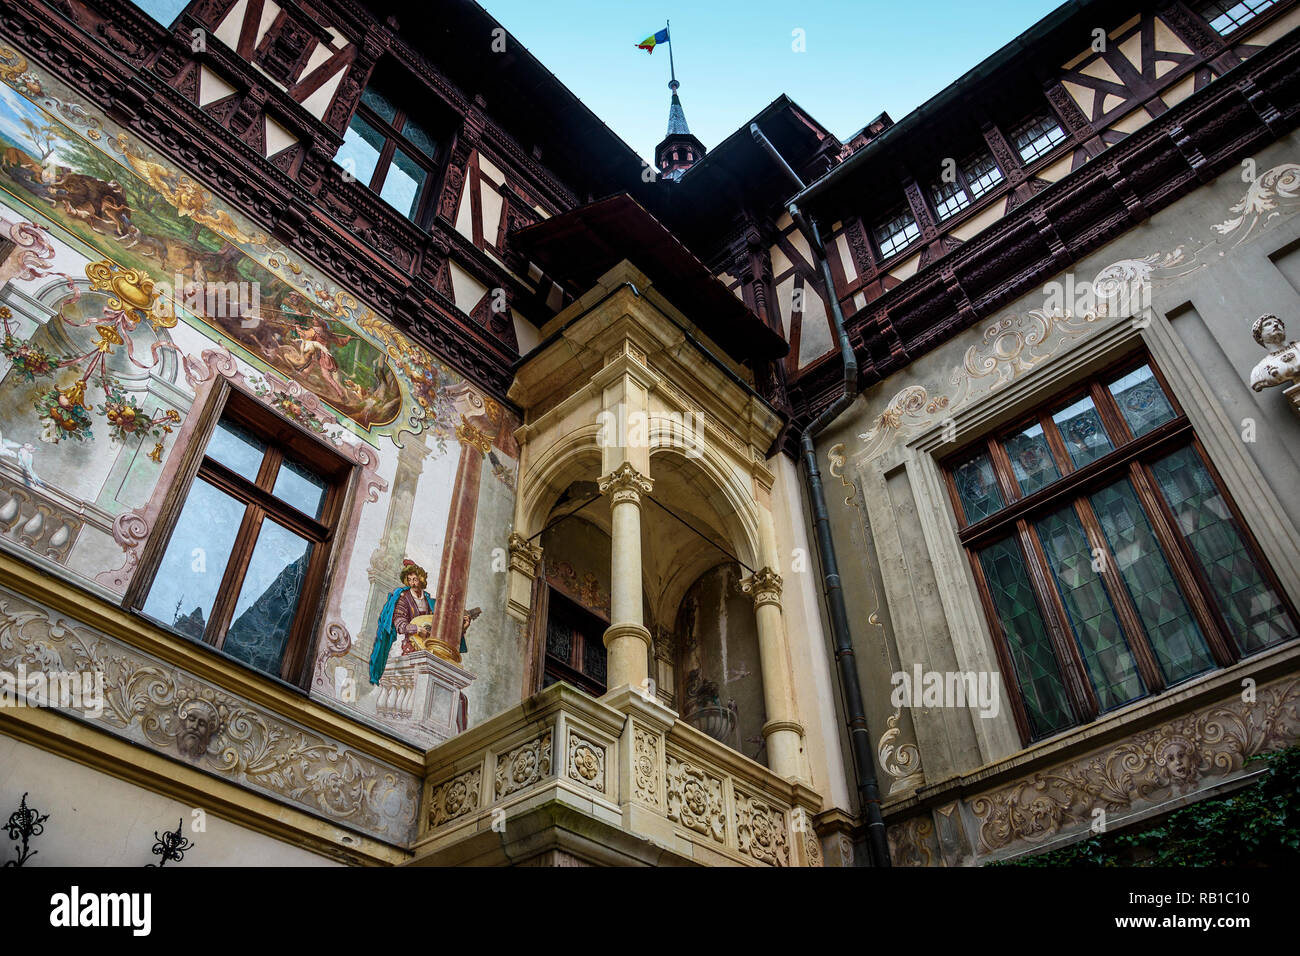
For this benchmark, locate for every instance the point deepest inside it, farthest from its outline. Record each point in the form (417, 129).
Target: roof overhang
(578, 247)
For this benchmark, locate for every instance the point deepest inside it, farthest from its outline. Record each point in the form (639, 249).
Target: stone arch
(729, 502)
(574, 457)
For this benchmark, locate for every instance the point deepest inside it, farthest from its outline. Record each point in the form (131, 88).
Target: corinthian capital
(523, 556)
(764, 585)
(625, 483)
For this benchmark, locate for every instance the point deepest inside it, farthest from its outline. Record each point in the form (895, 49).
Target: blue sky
(735, 56)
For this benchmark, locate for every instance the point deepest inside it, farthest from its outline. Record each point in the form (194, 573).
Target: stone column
(627, 640)
(783, 732)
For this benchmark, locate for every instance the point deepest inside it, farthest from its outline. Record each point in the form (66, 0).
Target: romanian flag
(648, 44)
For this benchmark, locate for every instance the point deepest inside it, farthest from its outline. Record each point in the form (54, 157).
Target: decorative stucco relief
(899, 758)
(761, 830)
(586, 762)
(1272, 191)
(1015, 343)
(1178, 757)
(455, 797)
(523, 766)
(911, 842)
(171, 712)
(645, 766)
(812, 848)
(695, 799)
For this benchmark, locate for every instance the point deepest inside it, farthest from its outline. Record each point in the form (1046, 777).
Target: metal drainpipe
(850, 686)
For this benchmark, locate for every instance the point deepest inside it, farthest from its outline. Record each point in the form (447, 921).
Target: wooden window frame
(393, 138)
(1199, 8)
(280, 436)
(571, 671)
(1032, 120)
(963, 168)
(1130, 458)
(895, 213)
(963, 183)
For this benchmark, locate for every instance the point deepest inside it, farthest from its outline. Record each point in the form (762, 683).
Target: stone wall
(1210, 265)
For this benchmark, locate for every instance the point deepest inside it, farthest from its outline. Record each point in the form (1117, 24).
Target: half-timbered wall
(1146, 65)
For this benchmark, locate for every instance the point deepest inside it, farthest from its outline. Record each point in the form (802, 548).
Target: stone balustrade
(564, 777)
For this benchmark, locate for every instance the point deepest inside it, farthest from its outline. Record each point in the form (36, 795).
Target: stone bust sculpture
(1282, 364)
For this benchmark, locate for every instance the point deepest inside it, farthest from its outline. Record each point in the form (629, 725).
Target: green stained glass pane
(1085, 437)
(1254, 612)
(379, 103)
(1037, 670)
(1179, 645)
(1031, 459)
(420, 138)
(978, 488)
(1141, 400)
(1097, 630)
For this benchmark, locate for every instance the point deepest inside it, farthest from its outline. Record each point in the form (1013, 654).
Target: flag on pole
(648, 44)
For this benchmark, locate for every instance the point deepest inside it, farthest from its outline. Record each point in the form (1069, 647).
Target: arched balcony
(643, 520)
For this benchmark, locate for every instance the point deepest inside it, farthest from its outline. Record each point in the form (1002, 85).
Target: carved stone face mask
(196, 732)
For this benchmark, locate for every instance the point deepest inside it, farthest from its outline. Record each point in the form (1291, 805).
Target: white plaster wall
(99, 820)
(816, 691)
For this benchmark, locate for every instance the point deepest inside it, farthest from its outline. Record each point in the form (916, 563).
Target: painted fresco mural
(127, 292)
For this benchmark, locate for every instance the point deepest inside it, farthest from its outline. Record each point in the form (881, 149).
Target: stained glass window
(1106, 654)
(1255, 614)
(387, 150)
(1081, 428)
(1175, 637)
(1141, 400)
(1141, 564)
(1031, 460)
(1037, 670)
(977, 486)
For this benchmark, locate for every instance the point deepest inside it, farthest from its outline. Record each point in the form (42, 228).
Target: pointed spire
(676, 115)
(680, 150)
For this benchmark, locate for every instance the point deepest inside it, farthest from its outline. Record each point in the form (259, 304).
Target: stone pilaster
(524, 560)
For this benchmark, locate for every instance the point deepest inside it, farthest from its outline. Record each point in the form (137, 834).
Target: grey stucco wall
(1212, 262)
